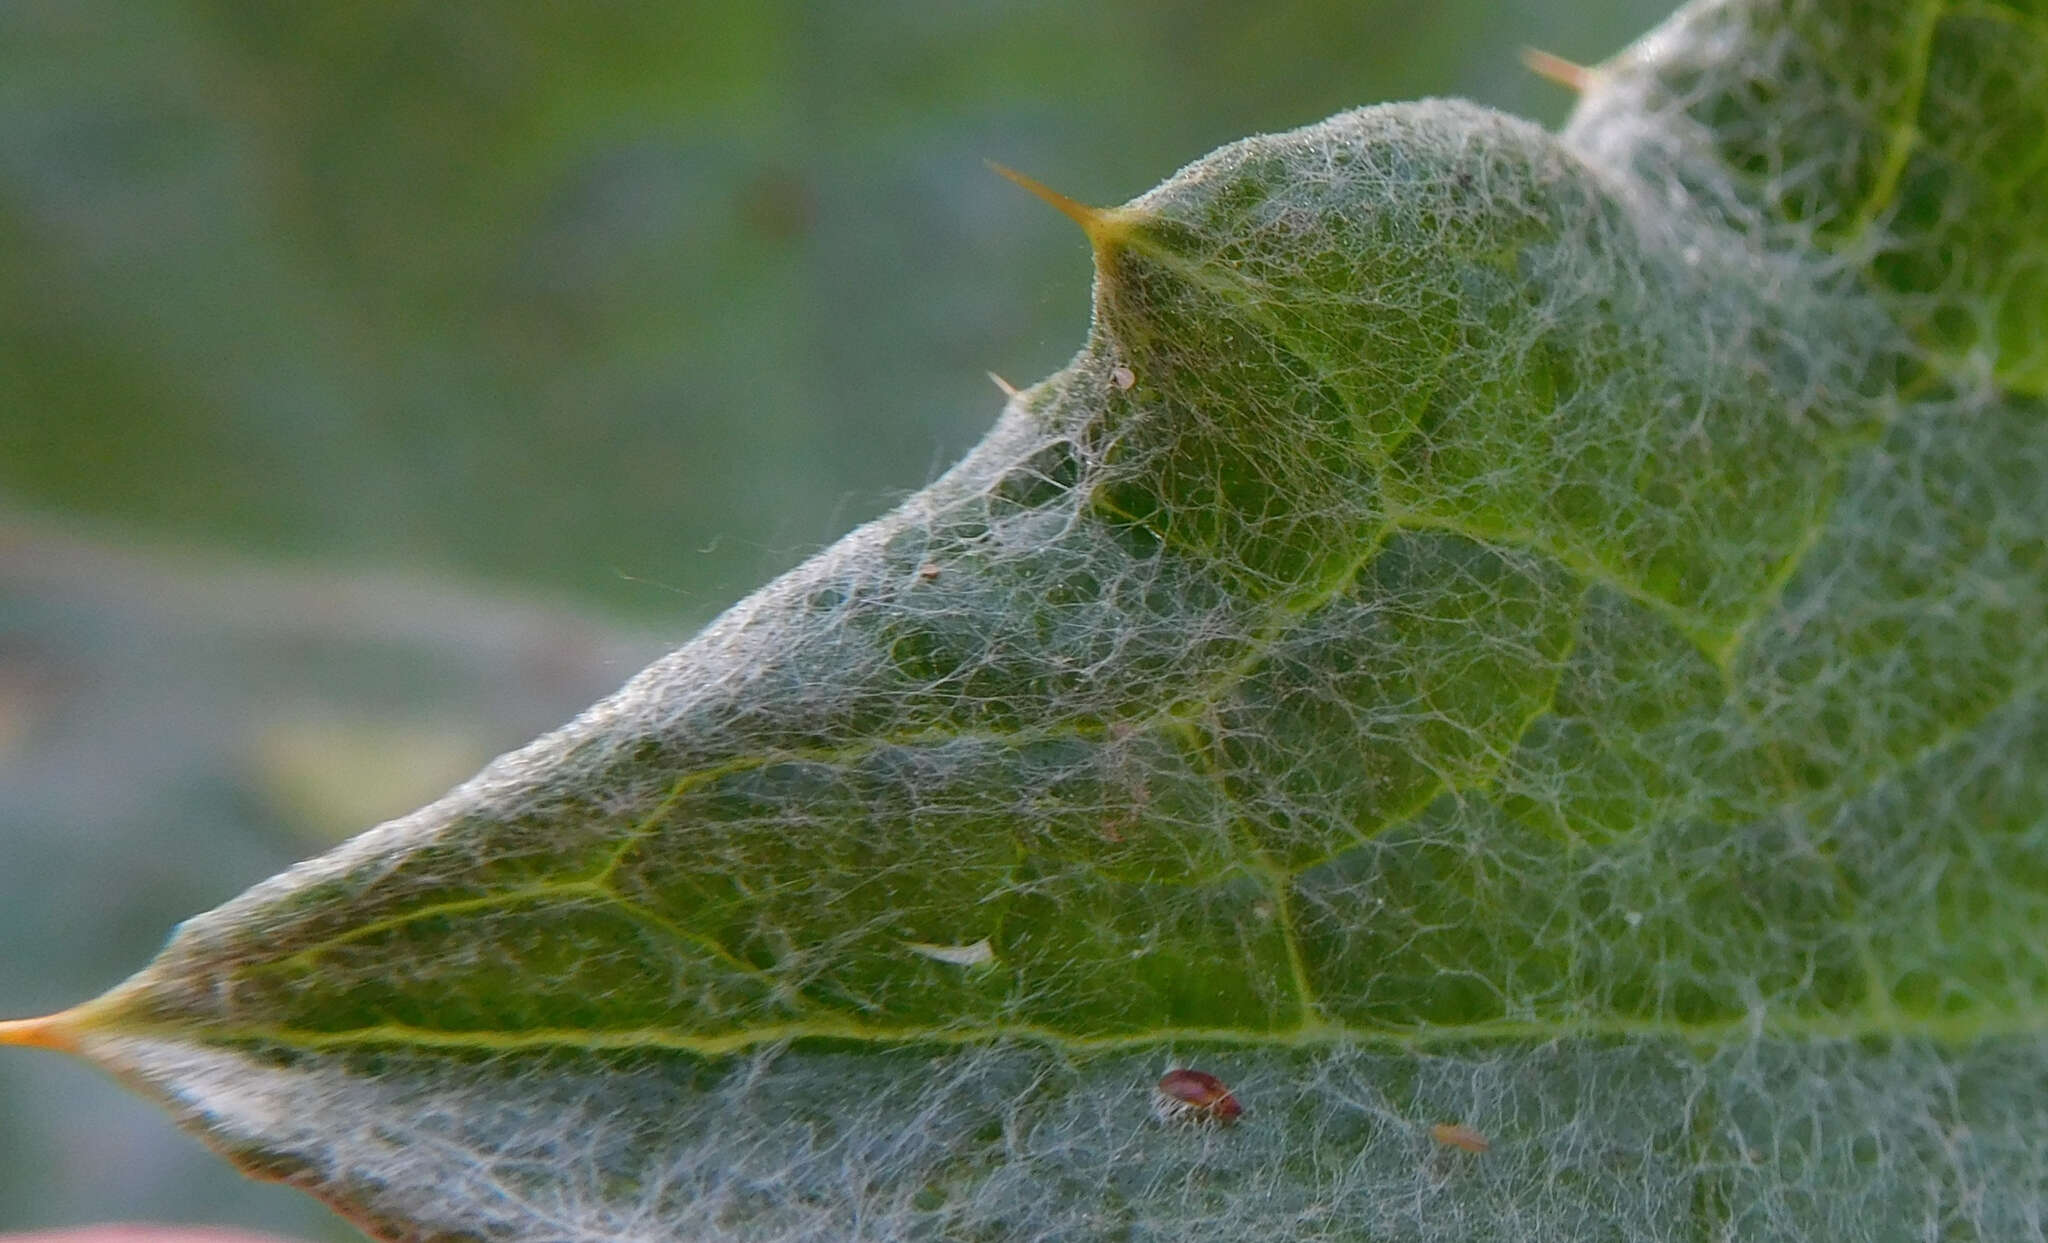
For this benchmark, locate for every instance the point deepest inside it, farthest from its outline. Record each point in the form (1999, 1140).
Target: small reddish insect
(1458, 1135)
(1195, 1096)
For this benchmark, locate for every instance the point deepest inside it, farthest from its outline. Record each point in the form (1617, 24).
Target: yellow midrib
(1869, 1024)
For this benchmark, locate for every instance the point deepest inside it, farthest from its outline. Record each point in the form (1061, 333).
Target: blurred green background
(381, 382)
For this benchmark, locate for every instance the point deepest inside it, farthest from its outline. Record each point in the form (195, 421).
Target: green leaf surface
(1547, 633)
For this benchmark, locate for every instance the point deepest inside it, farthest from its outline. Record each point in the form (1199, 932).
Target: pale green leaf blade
(1543, 634)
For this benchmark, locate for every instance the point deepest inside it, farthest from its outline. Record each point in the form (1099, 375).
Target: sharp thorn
(1009, 389)
(1098, 223)
(48, 1032)
(1554, 68)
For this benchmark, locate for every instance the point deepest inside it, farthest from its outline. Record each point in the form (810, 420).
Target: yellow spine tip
(1009, 389)
(1098, 223)
(48, 1032)
(1554, 68)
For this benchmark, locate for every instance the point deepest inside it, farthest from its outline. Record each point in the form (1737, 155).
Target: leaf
(1495, 634)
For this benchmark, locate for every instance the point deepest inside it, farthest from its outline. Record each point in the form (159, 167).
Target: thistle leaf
(1541, 639)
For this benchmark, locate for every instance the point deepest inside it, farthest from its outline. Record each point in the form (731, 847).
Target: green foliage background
(332, 338)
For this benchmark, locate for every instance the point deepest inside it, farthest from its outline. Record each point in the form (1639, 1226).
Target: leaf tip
(1554, 68)
(1102, 225)
(52, 1031)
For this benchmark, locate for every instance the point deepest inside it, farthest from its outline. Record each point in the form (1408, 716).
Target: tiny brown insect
(1123, 377)
(928, 571)
(1195, 1096)
(1458, 1135)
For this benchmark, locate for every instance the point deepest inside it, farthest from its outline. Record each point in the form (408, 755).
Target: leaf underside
(1541, 632)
